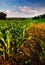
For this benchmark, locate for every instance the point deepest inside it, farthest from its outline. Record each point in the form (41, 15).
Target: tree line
(39, 17)
(3, 16)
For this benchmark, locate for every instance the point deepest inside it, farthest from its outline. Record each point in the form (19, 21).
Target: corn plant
(6, 43)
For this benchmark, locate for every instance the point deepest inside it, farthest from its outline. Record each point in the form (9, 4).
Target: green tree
(2, 15)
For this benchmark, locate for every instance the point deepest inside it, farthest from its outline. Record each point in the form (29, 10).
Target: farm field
(22, 42)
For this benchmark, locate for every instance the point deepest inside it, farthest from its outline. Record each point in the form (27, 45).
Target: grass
(39, 20)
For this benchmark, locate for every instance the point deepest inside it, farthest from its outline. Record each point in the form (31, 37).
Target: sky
(22, 8)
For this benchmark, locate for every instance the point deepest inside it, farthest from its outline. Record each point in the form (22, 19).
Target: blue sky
(27, 8)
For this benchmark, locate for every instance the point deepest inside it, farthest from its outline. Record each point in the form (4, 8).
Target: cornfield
(22, 42)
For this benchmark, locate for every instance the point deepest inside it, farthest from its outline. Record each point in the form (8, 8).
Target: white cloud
(24, 11)
(31, 11)
(7, 11)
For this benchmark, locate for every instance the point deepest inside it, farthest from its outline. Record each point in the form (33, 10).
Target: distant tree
(35, 17)
(43, 16)
(39, 17)
(2, 15)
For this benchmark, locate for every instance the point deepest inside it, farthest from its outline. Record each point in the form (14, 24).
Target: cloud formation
(24, 11)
